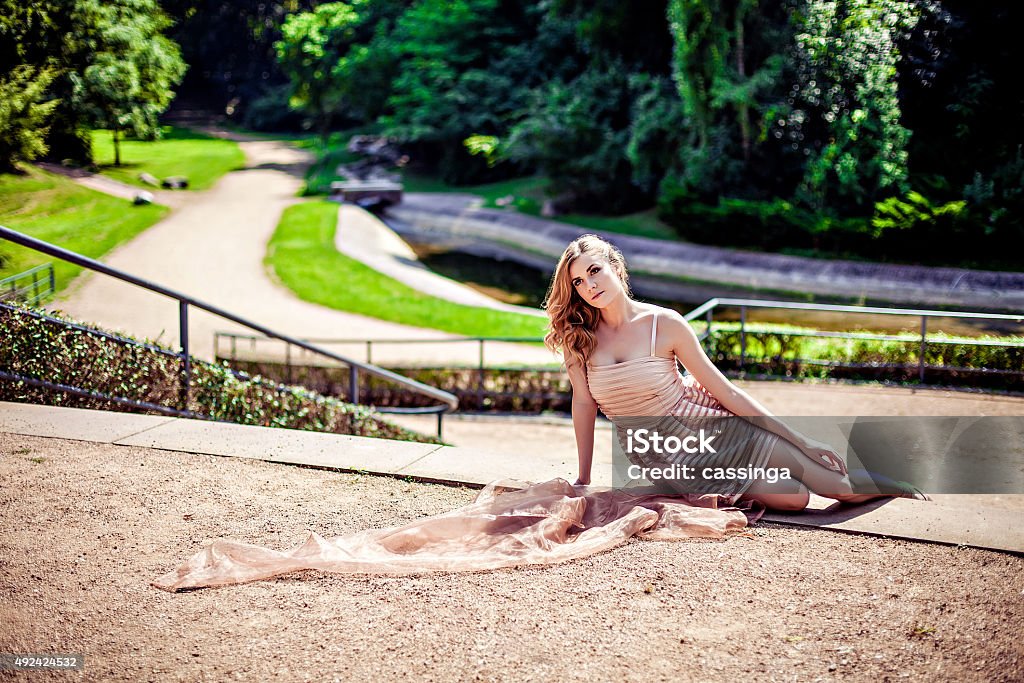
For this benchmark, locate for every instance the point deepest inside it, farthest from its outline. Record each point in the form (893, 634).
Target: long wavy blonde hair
(574, 322)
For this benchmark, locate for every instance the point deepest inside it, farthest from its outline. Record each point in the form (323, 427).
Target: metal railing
(290, 362)
(446, 400)
(29, 287)
(707, 311)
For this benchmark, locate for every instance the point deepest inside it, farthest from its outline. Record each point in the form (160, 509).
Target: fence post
(53, 281)
(353, 383)
(186, 359)
(707, 337)
(924, 342)
(35, 287)
(288, 362)
(743, 337)
(480, 378)
(369, 352)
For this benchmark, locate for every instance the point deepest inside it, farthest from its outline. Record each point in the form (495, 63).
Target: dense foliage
(81, 64)
(885, 128)
(854, 126)
(24, 114)
(36, 346)
(993, 363)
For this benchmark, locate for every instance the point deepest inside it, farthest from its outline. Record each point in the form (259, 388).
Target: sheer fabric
(504, 526)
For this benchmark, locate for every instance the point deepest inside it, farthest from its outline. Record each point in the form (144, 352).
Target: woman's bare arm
(584, 415)
(688, 349)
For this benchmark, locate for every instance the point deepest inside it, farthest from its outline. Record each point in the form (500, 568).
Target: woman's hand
(823, 454)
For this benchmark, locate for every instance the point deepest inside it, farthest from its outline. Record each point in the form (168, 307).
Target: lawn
(180, 152)
(303, 256)
(54, 209)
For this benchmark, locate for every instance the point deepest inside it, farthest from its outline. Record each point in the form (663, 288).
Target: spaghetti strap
(654, 332)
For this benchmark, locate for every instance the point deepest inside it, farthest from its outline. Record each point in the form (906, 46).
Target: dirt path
(213, 248)
(87, 526)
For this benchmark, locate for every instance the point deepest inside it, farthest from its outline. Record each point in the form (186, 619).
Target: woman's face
(595, 280)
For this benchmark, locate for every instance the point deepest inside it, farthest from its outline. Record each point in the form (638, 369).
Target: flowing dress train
(504, 526)
(514, 523)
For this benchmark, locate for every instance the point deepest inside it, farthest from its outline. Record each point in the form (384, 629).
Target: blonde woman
(621, 356)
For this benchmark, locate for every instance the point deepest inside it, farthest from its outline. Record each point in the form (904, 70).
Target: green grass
(54, 209)
(200, 158)
(322, 172)
(303, 256)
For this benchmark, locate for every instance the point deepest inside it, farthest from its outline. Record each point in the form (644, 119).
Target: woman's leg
(816, 477)
(784, 495)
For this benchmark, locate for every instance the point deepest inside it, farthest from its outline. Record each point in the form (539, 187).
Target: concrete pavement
(981, 521)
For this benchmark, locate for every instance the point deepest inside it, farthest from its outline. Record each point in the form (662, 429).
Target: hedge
(43, 346)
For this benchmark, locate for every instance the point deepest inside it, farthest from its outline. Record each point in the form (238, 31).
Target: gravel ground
(87, 526)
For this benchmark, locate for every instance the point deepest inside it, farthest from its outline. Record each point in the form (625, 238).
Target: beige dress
(509, 523)
(544, 523)
(650, 392)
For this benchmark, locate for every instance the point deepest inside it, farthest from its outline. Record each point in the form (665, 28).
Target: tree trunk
(744, 108)
(117, 148)
(325, 128)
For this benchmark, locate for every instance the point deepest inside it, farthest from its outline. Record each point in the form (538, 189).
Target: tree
(131, 70)
(311, 45)
(464, 69)
(577, 135)
(26, 72)
(229, 47)
(727, 62)
(846, 116)
(24, 115)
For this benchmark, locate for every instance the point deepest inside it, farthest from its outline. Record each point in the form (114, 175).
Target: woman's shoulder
(664, 315)
(670, 323)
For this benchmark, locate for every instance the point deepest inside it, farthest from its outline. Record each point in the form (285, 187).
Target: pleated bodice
(651, 385)
(652, 388)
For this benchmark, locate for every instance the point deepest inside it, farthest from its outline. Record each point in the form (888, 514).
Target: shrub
(793, 354)
(42, 346)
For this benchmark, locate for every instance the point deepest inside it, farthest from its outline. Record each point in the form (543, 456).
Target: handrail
(707, 310)
(449, 401)
(837, 308)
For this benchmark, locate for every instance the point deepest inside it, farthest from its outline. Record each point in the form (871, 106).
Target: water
(516, 283)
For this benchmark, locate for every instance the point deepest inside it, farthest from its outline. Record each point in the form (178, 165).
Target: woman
(604, 334)
(600, 328)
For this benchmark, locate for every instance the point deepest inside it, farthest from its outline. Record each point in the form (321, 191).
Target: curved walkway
(364, 237)
(456, 218)
(213, 248)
